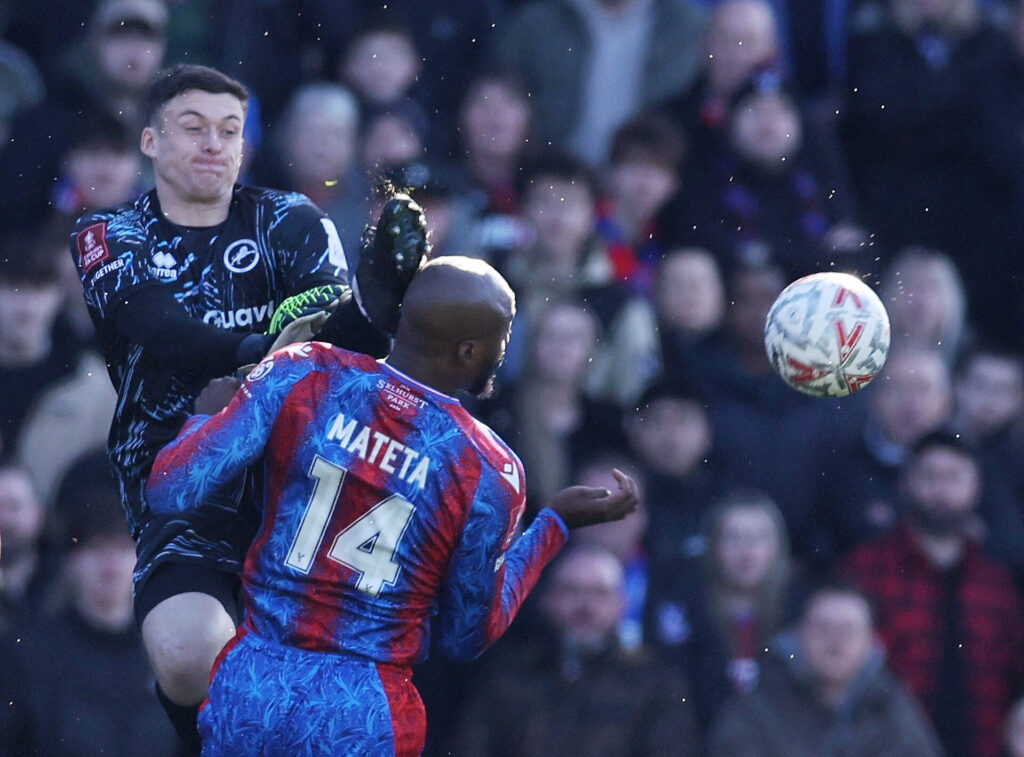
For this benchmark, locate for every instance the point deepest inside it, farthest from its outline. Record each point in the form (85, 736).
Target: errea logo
(164, 259)
(241, 256)
(164, 264)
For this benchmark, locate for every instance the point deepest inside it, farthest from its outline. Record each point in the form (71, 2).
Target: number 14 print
(367, 545)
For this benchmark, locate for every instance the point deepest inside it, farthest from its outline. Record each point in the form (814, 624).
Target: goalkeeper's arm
(346, 327)
(152, 318)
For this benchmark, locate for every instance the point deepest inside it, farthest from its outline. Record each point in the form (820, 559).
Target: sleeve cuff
(253, 348)
(557, 519)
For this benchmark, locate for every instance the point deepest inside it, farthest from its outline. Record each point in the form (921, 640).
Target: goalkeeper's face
(195, 143)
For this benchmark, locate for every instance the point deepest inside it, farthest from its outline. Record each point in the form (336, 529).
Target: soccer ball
(827, 334)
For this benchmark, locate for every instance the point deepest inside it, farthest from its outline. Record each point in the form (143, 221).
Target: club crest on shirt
(261, 370)
(241, 256)
(92, 246)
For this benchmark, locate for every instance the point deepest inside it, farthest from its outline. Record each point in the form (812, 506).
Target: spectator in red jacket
(949, 615)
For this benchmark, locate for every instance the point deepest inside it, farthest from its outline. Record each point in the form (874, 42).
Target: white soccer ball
(827, 334)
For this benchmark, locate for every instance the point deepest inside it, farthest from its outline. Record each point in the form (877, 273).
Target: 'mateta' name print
(388, 454)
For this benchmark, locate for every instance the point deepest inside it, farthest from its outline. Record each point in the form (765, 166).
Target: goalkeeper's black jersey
(232, 276)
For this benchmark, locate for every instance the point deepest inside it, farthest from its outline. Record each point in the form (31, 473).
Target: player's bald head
(455, 323)
(455, 298)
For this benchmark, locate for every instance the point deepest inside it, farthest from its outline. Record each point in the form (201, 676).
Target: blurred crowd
(805, 576)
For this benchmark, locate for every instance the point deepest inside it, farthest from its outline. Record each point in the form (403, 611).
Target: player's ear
(147, 143)
(466, 350)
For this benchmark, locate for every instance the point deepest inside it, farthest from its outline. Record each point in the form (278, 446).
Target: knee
(183, 638)
(183, 670)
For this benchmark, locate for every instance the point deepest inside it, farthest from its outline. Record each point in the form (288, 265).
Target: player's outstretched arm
(487, 585)
(580, 506)
(210, 451)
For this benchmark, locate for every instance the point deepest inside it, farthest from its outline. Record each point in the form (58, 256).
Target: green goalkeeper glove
(305, 303)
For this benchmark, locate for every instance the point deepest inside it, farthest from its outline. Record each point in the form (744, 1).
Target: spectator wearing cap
(109, 71)
(78, 682)
(949, 615)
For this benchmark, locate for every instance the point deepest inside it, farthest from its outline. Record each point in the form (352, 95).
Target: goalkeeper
(193, 280)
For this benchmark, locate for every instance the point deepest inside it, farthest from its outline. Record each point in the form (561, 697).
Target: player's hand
(582, 506)
(323, 297)
(389, 256)
(300, 330)
(216, 395)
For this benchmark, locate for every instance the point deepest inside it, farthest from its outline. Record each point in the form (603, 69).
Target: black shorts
(207, 544)
(171, 578)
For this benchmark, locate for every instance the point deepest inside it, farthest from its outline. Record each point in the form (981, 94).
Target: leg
(187, 612)
(183, 635)
(187, 599)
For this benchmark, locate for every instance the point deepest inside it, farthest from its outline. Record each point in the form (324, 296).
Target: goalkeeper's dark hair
(172, 81)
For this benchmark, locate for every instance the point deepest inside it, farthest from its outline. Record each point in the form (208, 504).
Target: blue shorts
(275, 701)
